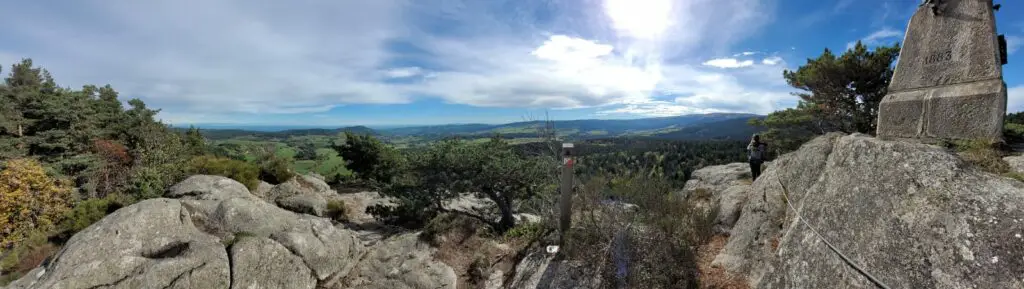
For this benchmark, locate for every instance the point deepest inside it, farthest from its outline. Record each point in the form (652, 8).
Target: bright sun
(639, 18)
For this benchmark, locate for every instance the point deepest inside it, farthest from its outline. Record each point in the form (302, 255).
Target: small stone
(995, 259)
(1017, 235)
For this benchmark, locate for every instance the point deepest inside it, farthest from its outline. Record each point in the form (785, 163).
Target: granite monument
(948, 81)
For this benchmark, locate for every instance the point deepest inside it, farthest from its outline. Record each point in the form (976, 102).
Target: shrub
(146, 183)
(527, 231)
(112, 175)
(24, 257)
(407, 213)
(240, 171)
(659, 238)
(369, 158)
(30, 201)
(336, 210)
(479, 270)
(1014, 132)
(84, 214)
(275, 170)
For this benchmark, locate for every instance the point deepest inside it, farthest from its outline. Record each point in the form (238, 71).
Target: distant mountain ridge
(684, 127)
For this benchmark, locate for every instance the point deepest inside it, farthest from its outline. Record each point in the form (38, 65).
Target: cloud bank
(198, 60)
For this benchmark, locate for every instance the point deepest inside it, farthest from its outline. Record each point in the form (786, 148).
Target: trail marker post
(565, 202)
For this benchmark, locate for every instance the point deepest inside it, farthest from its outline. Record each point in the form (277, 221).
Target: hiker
(756, 153)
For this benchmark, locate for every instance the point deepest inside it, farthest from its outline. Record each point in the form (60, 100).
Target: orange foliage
(116, 166)
(30, 201)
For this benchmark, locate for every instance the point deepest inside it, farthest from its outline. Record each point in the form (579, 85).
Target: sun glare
(639, 18)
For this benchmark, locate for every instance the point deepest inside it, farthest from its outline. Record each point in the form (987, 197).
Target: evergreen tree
(108, 112)
(843, 93)
(839, 93)
(195, 142)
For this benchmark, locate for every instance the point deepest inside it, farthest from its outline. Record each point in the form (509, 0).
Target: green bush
(527, 231)
(84, 214)
(240, 171)
(276, 170)
(1013, 132)
(336, 210)
(369, 158)
(406, 213)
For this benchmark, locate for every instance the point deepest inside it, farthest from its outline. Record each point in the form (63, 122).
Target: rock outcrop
(302, 194)
(212, 233)
(401, 262)
(542, 270)
(723, 188)
(911, 215)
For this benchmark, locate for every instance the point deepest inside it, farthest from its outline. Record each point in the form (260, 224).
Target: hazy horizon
(279, 127)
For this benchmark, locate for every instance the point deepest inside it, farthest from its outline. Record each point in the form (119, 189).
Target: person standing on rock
(756, 153)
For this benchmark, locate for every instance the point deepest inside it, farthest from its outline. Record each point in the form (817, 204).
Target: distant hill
(732, 129)
(585, 128)
(685, 127)
(222, 134)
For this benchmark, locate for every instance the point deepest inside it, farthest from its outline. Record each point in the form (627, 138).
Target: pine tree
(843, 93)
(195, 142)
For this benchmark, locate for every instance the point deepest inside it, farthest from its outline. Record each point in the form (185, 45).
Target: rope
(785, 194)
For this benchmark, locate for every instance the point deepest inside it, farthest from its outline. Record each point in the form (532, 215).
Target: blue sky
(383, 62)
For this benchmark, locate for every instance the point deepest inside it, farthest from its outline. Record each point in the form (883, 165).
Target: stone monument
(948, 82)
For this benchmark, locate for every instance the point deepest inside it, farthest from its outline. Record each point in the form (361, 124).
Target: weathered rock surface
(1016, 163)
(206, 187)
(718, 178)
(540, 270)
(356, 204)
(304, 194)
(399, 263)
(217, 235)
(263, 263)
(263, 189)
(724, 188)
(152, 244)
(913, 215)
(306, 203)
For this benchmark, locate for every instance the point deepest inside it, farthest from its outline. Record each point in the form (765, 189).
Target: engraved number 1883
(937, 57)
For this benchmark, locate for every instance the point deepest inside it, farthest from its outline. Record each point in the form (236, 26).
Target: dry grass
(712, 277)
(984, 155)
(651, 245)
(467, 245)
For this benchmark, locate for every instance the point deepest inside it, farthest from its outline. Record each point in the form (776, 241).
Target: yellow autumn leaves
(30, 201)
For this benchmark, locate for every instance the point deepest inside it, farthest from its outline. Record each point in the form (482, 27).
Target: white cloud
(877, 37)
(1015, 99)
(210, 60)
(774, 60)
(745, 53)
(404, 72)
(728, 63)
(1013, 43)
(656, 109)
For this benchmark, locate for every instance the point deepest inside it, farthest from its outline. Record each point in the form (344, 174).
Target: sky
(409, 62)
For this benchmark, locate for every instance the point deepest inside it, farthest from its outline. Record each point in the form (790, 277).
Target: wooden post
(565, 203)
